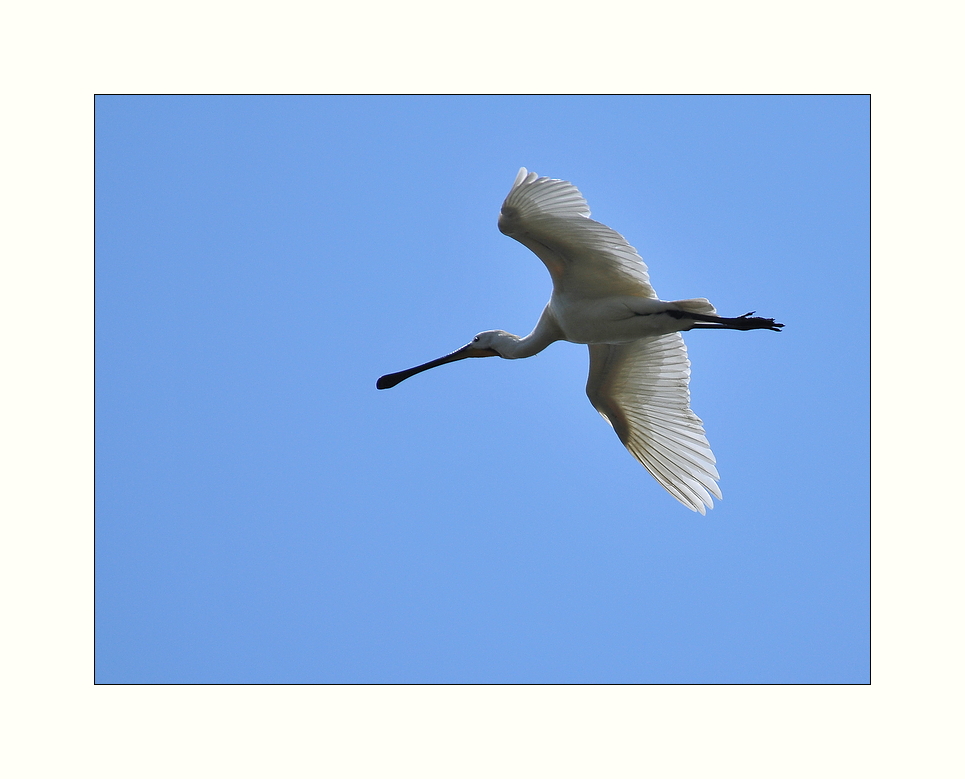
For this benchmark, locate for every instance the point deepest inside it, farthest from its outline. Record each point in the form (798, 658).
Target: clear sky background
(264, 514)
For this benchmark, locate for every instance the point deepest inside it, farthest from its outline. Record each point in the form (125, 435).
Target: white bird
(639, 371)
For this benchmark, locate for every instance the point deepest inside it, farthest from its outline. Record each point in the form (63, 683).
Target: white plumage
(639, 372)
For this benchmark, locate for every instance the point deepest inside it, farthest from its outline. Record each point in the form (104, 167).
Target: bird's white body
(616, 320)
(602, 297)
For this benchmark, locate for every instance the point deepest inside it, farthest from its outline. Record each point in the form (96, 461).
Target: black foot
(744, 322)
(749, 322)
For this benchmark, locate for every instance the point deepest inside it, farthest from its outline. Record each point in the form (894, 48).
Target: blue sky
(264, 514)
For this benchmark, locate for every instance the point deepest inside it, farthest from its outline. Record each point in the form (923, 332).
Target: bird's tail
(696, 306)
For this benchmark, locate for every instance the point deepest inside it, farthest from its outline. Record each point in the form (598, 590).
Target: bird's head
(493, 340)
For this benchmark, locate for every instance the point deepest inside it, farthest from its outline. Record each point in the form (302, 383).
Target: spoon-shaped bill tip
(389, 380)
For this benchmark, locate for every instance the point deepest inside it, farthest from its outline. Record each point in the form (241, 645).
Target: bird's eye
(475, 339)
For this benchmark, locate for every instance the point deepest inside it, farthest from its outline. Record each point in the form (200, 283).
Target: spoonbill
(602, 297)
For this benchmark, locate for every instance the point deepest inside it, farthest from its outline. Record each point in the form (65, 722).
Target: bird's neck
(546, 332)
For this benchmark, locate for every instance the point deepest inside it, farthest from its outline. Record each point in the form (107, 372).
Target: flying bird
(602, 297)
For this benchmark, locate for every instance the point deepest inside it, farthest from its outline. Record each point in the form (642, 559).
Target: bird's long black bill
(391, 379)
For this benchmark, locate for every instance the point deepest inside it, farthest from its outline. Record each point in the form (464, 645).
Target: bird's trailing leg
(744, 322)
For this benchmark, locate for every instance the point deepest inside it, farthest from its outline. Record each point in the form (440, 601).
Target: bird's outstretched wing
(641, 389)
(551, 217)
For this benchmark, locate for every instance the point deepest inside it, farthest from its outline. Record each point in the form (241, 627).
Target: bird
(639, 376)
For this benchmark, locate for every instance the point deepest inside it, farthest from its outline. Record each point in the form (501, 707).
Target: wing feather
(551, 217)
(642, 390)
